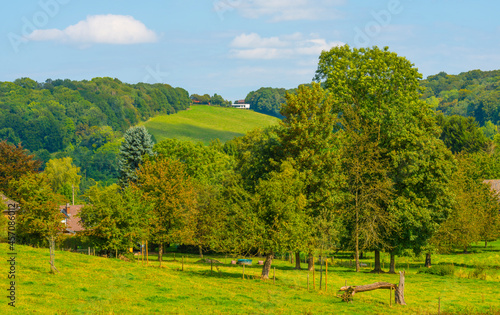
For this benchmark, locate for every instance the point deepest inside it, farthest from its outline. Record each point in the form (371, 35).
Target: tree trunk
(320, 271)
(267, 266)
(485, 243)
(356, 251)
(392, 268)
(377, 268)
(310, 262)
(361, 255)
(297, 260)
(201, 251)
(399, 295)
(428, 260)
(52, 248)
(368, 287)
(160, 253)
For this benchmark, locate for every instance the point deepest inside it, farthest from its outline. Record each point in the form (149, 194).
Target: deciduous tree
(165, 185)
(383, 89)
(40, 212)
(14, 162)
(114, 218)
(63, 176)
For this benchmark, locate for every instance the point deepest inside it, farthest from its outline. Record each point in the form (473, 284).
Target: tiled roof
(73, 223)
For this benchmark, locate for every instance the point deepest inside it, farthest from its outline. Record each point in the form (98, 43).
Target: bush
(439, 270)
(479, 272)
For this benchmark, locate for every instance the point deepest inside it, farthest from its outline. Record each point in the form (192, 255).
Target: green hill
(205, 123)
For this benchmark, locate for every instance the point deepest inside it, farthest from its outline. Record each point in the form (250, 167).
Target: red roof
(73, 223)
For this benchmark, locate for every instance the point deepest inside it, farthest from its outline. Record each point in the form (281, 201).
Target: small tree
(165, 185)
(63, 176)
(40, 212)
(115, 219)
(137, 142)
(280, 206)
(365, 217)
(14, 162)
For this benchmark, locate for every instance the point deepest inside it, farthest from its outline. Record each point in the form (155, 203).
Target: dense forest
(81, 119)
(85, 120)
(474, 94)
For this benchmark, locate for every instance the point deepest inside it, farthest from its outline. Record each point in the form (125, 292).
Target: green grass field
(205, 123)
(96, 285)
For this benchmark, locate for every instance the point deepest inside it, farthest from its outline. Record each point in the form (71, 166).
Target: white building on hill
(242, 106)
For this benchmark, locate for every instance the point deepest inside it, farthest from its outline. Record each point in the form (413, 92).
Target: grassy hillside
(96, 285)
(204, 123)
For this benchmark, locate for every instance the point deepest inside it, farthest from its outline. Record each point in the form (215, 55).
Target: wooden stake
(326, 275)
(89, 251)
(274, 275)
(314, 279)
(390, 297)
(320, 272)
(243, 271)
(147, 254)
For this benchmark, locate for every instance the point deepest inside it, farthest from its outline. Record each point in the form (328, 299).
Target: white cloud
(253, 40)
(287, 10)
(252, 46)
(102, 29)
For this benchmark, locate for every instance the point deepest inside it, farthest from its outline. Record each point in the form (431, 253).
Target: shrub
(439, 270)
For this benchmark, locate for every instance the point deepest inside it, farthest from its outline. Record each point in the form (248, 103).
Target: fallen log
(368, 287)
(349, 291)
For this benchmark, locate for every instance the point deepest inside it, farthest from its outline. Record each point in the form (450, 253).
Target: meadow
(96, 285)
(204, 123)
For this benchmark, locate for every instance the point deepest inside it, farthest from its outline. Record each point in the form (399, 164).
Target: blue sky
(231, 47)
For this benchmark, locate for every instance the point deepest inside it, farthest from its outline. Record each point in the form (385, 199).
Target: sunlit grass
(205, 123)
(95, 285)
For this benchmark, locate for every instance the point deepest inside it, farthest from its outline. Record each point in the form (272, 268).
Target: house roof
(73, 223)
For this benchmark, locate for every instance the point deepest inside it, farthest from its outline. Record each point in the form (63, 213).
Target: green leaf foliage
(115, 219)
(383, 89)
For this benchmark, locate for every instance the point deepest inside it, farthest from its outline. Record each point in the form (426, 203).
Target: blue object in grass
(244, 261)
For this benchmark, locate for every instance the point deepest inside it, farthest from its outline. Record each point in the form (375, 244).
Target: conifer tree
(136, 144)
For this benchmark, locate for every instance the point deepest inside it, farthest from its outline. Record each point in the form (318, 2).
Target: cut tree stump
(349, 291)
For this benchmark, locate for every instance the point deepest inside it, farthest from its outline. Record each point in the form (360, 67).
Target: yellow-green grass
(205, 123)
(96, 285)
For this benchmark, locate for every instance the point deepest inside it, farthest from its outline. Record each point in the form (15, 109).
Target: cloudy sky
(231, 47)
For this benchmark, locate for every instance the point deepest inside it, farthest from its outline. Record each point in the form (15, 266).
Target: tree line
(356, 164)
